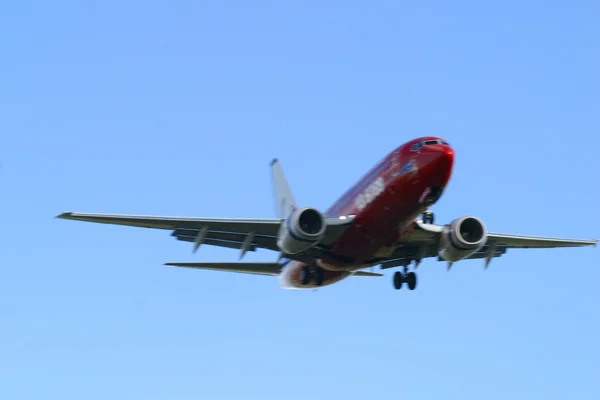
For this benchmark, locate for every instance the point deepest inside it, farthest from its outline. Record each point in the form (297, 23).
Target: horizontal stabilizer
(257, 268)
(365, 273)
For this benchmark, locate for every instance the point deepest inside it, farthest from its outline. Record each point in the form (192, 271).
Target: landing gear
(308, 274)
(410, 278)
(398, 280)
(305, 275)
(428, 217)
(319, 276)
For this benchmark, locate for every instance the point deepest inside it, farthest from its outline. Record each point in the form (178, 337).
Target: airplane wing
(512, 241)
(422, 243)
(268, 226)
(245, 234)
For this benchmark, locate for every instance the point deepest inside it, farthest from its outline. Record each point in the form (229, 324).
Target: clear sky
(177, 108)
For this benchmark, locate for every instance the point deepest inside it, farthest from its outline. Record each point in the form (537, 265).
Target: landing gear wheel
(428, 217)
(305, 275)
(398, 280)
(319, 276)
(411, 280)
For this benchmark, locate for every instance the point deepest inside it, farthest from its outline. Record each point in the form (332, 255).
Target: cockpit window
(429, 142)
(417, 146)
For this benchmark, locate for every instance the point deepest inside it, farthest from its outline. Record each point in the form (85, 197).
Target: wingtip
(174, 264)
(273, 161)
(64, 215)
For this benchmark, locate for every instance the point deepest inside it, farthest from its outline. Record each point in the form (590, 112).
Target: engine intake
(461, 238)
(303, 229)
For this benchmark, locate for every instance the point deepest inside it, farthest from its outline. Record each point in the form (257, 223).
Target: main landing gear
(409, 277)
(312, 274)
(428, 217)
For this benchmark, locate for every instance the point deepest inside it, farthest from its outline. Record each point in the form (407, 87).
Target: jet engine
(461, 238)
(303, 229)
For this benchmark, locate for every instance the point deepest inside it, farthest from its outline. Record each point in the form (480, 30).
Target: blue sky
(176, 108)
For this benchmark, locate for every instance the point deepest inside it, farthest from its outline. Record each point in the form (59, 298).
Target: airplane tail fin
(284, 199)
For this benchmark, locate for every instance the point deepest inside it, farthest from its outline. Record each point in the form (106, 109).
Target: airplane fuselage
(385, 202)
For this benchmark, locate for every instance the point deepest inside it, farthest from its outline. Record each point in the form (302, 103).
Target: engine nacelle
(461, 238)
(303, 229)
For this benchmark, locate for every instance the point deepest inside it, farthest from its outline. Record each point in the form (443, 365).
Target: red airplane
(373, 223)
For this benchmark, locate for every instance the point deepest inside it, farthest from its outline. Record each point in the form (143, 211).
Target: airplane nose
(446, 155)
(442, 162)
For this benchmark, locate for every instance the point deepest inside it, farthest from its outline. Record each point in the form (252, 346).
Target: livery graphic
(410, 168)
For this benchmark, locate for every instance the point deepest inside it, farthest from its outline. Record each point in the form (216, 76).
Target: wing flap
(219, 243)
(236, 239)
(257, 268)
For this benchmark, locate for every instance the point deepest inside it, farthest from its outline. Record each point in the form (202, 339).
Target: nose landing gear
(429, 197)
(428, 217)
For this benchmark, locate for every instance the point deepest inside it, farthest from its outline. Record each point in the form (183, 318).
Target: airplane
(373, 223)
